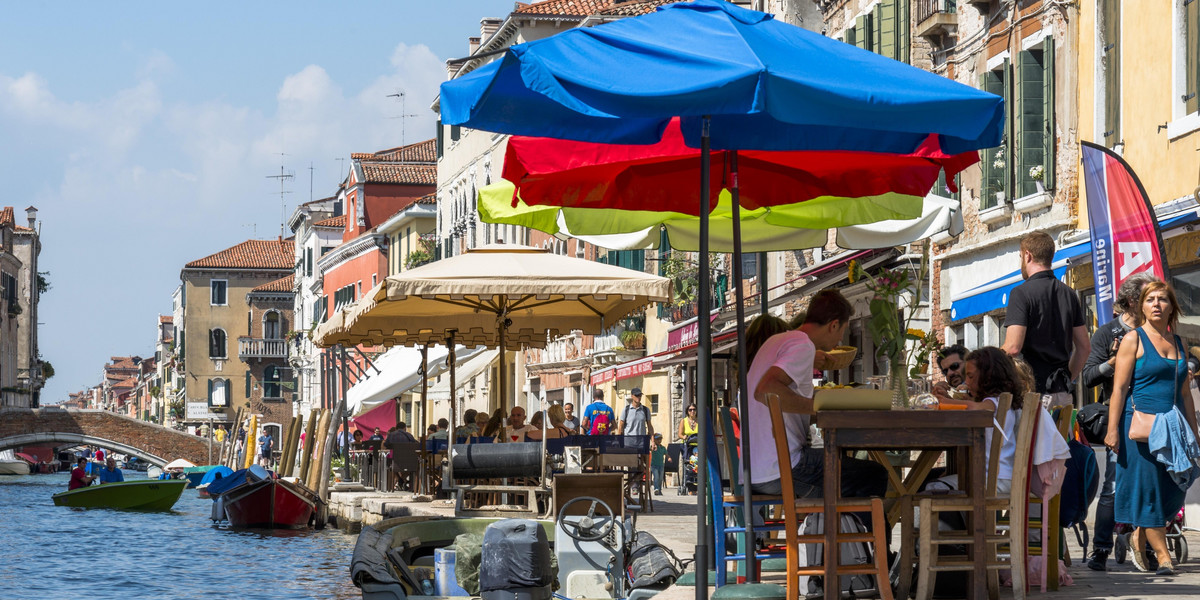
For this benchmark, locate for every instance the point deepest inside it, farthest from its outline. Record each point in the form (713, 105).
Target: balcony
(936, 18)
(262, 348)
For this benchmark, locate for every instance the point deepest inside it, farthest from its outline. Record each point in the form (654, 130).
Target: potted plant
(1038, 174)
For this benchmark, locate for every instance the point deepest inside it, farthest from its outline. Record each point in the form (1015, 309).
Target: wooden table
(931, 432)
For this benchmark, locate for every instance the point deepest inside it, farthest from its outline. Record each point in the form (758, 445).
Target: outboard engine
(515, 562)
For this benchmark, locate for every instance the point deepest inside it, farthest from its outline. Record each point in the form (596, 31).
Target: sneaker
(657, 492)
(1098, 561)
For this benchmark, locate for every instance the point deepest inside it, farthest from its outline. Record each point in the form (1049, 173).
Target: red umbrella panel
(662, 176)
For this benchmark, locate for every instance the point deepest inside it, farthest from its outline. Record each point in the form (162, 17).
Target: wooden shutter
(1112, 72)
(1191, 17)
(249, 384)
(887, 28)
(1049, 131)
(903, 30)
(440, 140)
(210, 391)
(993, 82)
(1030, 148)
(1010, 145)
(876, 30)
(861, 31)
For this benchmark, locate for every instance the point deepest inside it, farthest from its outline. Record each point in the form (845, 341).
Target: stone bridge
(153, 443)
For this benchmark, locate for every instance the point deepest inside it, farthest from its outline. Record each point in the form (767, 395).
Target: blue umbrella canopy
(767, 85)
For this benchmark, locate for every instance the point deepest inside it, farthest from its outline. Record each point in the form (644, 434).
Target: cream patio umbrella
(500, 296)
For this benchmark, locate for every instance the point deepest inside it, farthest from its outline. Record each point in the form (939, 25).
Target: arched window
(272, 379)
(271, 325)
(216, 343)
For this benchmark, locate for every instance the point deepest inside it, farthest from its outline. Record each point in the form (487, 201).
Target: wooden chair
(1016, 538)
(794, 508)
(727, 509)
(1049, 545)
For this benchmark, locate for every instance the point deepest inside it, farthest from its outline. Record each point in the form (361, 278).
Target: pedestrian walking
(635, 419)
(1151, 371)
(598, 416)
(1044, 322)
(658, 463)
(1098, 372)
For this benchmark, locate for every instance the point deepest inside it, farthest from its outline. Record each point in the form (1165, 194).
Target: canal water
(51, 552)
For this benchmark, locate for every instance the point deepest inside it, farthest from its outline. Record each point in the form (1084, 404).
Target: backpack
(1093, 422)
(601, 421)
(1080, 484)
(852, 553)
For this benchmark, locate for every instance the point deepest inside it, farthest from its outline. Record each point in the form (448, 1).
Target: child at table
(990, 372)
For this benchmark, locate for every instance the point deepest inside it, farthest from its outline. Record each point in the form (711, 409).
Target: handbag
(1141, 423)
(1093, 421)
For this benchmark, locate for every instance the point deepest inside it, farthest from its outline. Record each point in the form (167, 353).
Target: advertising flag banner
(1125, 235)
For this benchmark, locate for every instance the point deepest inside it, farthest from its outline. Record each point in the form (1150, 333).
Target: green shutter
(850, 36)
(1031, 120)
(248, 384)
(903, 30)
(1112, 72)
(1191, 17)
(1049, 131)
(861, 30)
(887, 28)
(1010, 146)
(876, 29)
(455, 131)
(992, 82)
(440, 140)
(210, 392)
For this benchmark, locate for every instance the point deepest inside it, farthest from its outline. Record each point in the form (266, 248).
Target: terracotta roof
(279, 285)
(126, 383)
(427, 199)
(633, 9)
(420, 152)
(583, 8)
(123, 362)
(6, 216)
(166, 318)
(388, 172)
(251, 254)
(338, 221)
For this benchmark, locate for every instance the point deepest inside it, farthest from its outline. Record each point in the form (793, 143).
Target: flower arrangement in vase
(906, 349)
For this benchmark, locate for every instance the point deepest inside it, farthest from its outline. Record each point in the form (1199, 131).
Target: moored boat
(195, 475)
(11, 465)
(136, 495)
(270, 503)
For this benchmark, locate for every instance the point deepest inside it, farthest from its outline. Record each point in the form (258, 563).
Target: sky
(146, 134)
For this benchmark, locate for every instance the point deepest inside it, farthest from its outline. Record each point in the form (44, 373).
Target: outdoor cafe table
(929, 431)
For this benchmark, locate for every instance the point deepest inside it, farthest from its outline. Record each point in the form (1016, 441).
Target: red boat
(274, 503)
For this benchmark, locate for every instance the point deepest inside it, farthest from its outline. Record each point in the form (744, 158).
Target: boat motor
(515, 562)
(591, 549)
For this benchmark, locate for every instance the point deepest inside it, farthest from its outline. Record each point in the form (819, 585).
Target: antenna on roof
(310, 180)
(403, 113)
(283, 177)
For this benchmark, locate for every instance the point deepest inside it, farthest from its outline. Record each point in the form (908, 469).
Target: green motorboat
(151, 494)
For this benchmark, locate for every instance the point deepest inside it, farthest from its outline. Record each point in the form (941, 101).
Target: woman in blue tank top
(1151, 366)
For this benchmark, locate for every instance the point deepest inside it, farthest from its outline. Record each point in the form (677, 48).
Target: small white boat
(11, 465)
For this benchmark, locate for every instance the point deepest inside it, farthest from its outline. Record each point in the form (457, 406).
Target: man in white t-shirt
(784, 366)
(517, 428)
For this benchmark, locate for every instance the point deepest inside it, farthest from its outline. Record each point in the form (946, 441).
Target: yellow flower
(916, 333)
(853, 274)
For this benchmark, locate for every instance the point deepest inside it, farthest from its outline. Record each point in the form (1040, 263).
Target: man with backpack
(635, 419)
(597, 417)
(1099, 371)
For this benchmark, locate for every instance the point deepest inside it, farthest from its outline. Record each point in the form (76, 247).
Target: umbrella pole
(502, 327)
(345, 420)
(703, 371)
(452, 437)
(743, 395)
(762, 281)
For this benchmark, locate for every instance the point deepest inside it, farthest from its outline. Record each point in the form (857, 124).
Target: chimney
(488, 27)
(473, 45)
(31, 213)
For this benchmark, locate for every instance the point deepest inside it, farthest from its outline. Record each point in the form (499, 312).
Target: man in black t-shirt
(1044, 324)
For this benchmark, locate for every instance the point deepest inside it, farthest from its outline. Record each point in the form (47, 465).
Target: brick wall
(67, 425)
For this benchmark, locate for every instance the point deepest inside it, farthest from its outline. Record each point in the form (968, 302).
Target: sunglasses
(953, 367)
(691, 410)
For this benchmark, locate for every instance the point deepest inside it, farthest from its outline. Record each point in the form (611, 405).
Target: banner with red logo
(625, 371)
(1125, 235)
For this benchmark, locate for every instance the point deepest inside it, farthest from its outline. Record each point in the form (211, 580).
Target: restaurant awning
(399, 371)
(994, 294)
(465, 373)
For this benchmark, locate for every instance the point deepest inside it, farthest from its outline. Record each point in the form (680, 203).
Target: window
(218, 392)
(308, 261)
(652, 400)
(218, 292)
(1110, 58)
(216, 343)
(1034, 124)
(343, 297)
(996, 162)
(271, 325)
(629, 259)
(884, 30)
(271, 382)
(1191, 61)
